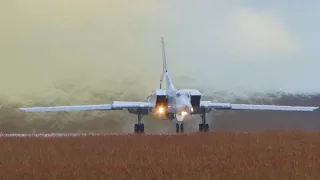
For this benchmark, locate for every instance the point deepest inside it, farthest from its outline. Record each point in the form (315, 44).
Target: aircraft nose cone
(183, 104)
(187, 106)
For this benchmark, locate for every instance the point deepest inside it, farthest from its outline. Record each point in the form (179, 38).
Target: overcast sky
(110, 45)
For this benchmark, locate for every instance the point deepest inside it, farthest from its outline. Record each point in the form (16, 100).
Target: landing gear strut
(179, 127)
(139, 128)
(203, 126)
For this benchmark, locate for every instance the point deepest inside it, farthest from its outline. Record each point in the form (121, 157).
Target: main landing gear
(139, 128)
(203, 126)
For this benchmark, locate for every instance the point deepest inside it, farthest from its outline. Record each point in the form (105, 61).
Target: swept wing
(229, 106)
(116, 105)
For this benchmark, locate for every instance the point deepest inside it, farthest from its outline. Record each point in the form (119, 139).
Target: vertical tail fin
(164, 69)
(164, 57)
(164, 61)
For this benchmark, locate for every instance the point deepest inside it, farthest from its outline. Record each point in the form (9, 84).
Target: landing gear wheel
(179, 127)
(203, 127)
(139, 128)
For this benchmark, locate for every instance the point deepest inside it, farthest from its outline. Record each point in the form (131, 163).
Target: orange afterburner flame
(183, 113)
(160, 110)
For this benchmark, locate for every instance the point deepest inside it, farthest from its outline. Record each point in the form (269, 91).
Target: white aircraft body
(170, 103)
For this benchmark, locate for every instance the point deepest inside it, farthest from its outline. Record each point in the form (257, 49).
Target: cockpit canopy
(183, 93)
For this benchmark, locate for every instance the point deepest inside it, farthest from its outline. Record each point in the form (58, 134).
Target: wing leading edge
(116, 105)
(119, 105)
(229, 106)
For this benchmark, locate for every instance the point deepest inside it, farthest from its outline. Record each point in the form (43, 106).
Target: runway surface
(85, 134)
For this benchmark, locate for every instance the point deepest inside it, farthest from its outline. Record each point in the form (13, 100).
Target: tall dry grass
(217, 155)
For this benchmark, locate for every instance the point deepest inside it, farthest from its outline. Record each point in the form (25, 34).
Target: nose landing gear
(179, 127)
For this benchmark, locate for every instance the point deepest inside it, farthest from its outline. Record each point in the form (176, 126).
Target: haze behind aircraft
(170, 103)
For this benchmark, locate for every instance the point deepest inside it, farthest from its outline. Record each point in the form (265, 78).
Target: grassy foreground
(214, 155)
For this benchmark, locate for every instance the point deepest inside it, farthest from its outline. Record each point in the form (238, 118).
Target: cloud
(258, 32)
(112, 46)
(87, 44)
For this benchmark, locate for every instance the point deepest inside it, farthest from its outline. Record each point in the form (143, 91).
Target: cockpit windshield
(185, 94)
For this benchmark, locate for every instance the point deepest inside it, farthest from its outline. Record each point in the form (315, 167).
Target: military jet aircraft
(170, 103)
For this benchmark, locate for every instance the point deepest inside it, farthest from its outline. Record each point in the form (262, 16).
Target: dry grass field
(214, 155)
